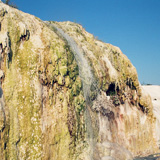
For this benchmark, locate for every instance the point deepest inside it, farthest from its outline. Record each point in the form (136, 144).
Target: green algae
(56, 67)
(43, 92)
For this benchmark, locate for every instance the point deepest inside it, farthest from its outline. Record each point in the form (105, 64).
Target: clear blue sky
(132, 25)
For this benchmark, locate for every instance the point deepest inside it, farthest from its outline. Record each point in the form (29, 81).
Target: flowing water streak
(84, 69)
(86, 78)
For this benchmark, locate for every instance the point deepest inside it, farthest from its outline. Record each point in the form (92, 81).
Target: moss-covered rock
(44, 112)
(37, 66)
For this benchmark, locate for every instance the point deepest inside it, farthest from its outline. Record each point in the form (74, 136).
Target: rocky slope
(66, 95)
(154, 91)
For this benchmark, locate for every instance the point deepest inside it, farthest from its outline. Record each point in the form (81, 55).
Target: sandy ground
(154, 91)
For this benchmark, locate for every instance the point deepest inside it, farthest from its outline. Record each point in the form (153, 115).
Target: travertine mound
(66, 95)
(154, 91)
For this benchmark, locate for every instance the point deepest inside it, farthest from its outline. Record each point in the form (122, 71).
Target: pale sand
(154, 91)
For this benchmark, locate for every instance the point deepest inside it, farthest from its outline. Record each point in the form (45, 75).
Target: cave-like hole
(111, 90)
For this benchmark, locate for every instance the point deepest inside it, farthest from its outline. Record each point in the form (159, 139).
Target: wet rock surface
(66, 95)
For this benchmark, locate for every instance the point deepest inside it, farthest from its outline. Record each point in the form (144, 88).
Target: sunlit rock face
(66, 95)
(154, 91)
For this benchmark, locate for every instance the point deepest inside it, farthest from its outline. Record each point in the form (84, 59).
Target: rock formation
(66, 95)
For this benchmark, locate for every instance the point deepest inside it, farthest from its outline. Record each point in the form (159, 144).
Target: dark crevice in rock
(26, 36)
(111, 90)
(10, 53)
(144, 109)
(6, 52)
(3, 12)
(130, 84)
(1, 48)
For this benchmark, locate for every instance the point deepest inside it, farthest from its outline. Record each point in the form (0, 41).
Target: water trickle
(84, 68)
(87, 79)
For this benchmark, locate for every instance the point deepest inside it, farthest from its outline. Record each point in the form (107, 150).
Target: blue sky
(132, 25)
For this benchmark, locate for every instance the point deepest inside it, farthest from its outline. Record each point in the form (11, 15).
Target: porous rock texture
(66, 95)
(154, 91)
